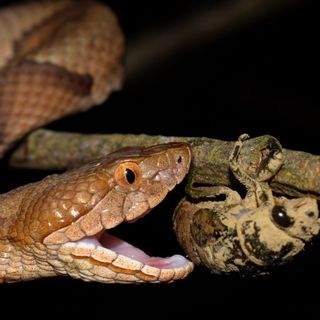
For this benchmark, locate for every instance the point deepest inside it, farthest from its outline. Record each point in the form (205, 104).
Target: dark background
(259, 77)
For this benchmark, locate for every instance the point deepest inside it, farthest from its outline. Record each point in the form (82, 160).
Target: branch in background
(45, 149)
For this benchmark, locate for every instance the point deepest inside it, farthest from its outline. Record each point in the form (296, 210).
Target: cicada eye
(279, 215)
(128, 174)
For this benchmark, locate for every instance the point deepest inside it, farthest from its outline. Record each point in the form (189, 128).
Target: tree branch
(45, 149)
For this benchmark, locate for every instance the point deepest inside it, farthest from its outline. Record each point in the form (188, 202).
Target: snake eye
(280, 216)
(128, 174)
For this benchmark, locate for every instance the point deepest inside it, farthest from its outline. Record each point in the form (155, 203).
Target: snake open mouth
(110, 259)
(126, 249)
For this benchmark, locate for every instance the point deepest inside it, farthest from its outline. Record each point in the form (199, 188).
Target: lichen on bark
(44, 149)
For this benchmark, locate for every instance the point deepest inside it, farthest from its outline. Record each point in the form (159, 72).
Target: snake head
(64, 220)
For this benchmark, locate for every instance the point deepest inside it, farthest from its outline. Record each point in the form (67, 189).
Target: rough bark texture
(44, 149)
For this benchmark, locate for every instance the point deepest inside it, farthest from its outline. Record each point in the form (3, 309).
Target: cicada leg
(230, 197)
(257, 192)
(271, 160)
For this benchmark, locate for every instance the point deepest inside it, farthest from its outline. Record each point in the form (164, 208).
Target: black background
(259, 78)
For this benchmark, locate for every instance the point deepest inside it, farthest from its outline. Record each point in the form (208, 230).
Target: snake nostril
(179, 160)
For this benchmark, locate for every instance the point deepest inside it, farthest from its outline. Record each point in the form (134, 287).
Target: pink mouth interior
(126, 249)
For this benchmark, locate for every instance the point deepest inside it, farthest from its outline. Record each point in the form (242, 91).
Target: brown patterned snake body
(56, 58)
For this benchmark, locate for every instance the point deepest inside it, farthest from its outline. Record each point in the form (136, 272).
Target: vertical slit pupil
(130, 176)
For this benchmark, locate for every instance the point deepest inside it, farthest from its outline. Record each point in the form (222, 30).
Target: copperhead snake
(57, 58)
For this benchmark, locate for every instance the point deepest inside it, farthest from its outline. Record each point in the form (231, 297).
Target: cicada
(229, 233)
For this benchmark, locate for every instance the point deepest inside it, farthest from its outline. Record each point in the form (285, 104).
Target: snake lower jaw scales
(106, 258)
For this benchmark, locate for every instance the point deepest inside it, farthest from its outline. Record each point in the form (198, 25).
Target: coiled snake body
(56, 58)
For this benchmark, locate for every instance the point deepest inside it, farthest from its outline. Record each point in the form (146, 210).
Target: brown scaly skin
(56, 58)
(41, 223)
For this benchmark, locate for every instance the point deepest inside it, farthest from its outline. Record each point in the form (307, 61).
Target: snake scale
(57, 58)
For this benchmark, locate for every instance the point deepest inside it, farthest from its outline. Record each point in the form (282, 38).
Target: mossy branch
(45, 149)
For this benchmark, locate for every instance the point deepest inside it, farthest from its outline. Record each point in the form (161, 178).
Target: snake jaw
(105, 258)
(85, 248)
(108, 259)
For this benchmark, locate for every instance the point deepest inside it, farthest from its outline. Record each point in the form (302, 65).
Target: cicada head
(273, 235)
